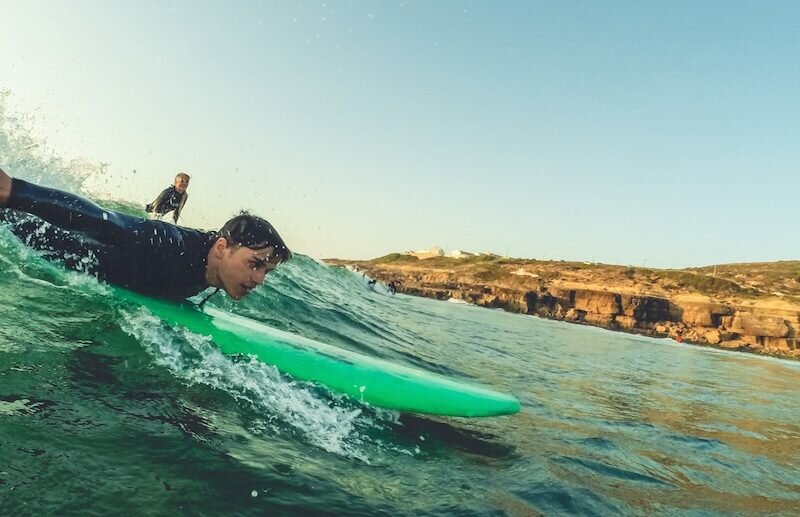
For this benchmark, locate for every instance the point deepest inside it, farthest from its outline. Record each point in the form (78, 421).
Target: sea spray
(27, 156)
(194, 359)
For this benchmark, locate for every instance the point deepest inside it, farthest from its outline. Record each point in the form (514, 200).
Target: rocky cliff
(688, 305)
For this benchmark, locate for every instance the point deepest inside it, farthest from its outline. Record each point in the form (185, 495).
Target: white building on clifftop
(436, 251)
(460, 254)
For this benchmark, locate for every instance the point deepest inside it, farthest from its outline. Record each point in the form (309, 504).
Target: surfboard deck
(367, 379)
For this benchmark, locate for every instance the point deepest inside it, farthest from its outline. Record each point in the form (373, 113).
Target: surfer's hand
(5, 187)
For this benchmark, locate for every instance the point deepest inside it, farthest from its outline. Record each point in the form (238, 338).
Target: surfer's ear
(219, 246)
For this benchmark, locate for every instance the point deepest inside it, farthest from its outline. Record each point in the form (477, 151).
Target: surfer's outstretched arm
(64, 209)
(177, 212)
(153, 207)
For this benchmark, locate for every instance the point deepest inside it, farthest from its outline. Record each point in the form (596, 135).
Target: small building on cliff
(460, 254)
(436, 251)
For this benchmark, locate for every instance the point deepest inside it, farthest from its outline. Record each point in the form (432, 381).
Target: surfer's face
(181, 184)
(243, 269)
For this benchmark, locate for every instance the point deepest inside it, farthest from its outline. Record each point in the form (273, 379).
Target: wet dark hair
(255, 233)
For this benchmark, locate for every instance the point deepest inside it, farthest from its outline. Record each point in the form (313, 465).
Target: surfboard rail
(366, 379)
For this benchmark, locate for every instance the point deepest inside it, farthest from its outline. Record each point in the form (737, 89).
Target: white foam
(19, 407)
(33, 261)
(27, 156)
(194, 359)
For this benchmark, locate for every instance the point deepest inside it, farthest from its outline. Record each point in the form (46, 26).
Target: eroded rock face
(714, 323)
(704, 314)
(759, 325)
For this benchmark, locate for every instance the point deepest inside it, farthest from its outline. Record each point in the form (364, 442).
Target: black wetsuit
(170, 200)
(151, 257)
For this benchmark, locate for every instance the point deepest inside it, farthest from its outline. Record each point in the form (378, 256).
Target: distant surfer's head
(246, 249)
(181, 182)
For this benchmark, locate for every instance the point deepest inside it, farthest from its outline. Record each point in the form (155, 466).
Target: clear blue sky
(629, 132)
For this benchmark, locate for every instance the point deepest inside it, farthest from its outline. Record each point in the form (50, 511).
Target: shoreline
(688, 306)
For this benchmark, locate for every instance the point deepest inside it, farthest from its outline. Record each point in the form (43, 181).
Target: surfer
(150, 257)
(172, 199)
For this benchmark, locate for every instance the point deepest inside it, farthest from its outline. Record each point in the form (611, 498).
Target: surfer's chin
(237, 292)
(240, 293)
(234, 294)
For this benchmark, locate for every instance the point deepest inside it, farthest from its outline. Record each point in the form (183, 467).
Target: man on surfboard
(172, 199)
(154, 258)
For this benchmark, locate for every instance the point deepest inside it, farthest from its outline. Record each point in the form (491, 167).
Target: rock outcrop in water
(747, 307)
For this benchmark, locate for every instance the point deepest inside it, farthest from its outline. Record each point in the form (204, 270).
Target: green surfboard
(366, 379)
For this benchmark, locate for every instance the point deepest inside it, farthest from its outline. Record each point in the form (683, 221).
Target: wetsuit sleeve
(70, 212)
(177, 212)
(153, 207)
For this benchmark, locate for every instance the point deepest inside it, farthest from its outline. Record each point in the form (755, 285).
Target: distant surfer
(172, 199)
(154, 258)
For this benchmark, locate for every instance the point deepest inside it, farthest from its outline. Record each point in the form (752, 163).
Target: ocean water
(105, 409)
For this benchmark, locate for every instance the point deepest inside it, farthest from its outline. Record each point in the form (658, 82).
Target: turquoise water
(106, 411)
(105, 408)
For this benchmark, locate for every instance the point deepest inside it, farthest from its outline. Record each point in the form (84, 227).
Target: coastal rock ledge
(744, 322)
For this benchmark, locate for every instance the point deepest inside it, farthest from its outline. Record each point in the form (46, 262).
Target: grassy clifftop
(749, 307)
(729, 281)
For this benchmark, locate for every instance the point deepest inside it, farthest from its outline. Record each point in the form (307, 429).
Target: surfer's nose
(258, 276)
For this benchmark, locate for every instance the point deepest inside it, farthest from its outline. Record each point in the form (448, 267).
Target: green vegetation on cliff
(706, 284)
(749, 307)
(736, 280)
(781, 277)
(394, 258)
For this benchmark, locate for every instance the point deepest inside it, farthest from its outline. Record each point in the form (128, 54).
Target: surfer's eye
(257, 264)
